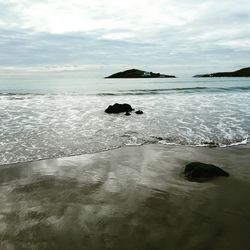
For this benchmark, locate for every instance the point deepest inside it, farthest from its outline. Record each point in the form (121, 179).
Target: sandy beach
(127, 198)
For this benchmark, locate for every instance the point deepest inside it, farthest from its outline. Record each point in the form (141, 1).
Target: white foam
(46, 126)
(244, 142)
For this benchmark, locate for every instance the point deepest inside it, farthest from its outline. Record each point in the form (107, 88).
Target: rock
(211, 144)
(158, 138)
(136, 73)
(127, 113)
(245, 72)
(197, 171)
(139, 112)
(118, 108)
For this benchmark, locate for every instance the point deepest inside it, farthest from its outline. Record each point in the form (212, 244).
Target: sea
(49, 116)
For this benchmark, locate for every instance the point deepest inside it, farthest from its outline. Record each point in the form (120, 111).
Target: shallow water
(130, 198)
(60, 115)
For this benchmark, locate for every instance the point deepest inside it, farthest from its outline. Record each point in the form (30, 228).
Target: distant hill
(136, 73)
(245, 72)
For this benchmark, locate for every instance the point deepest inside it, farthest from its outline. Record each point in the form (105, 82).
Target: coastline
(126, 198)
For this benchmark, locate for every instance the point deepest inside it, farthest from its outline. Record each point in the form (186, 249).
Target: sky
(104, 36)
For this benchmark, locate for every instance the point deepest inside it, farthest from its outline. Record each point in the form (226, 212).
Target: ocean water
(56, 115)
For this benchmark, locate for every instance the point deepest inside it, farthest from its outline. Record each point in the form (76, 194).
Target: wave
(159, 91)
(175, 90)
(20, 94)
(135, 142)
(211, 144)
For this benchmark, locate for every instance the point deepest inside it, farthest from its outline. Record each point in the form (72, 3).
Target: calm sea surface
(63, 114)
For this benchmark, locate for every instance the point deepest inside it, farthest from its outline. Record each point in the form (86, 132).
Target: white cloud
(75, 15)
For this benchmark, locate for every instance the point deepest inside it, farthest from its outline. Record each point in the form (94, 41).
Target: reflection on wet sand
(130, 198)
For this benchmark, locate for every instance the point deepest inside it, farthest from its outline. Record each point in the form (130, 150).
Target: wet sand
(133, 198)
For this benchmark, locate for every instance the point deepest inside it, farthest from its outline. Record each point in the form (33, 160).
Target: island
(245, 72)
(136, 73)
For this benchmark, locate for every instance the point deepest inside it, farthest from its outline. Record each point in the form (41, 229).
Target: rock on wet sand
(197, 171)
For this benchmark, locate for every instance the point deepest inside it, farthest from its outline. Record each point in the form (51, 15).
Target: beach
(124, 125)
(75, 177)
(135, 197)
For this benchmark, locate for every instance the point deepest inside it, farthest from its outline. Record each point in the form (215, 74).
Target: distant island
(245, 72)
(136, 73)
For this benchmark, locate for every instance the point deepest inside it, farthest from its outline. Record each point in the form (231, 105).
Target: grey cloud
(202, 44)
(24, 48)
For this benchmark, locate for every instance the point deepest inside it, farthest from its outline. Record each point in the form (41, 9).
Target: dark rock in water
(127, 113)
(211, 144)
(197, 171)
(118, 108)
(136, 73)
(245, 72)
(139, 112)
(159, 138)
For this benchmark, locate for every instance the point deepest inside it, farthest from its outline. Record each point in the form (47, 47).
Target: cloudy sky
(178, 37)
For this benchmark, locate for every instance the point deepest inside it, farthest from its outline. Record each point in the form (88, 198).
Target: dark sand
(127, 199)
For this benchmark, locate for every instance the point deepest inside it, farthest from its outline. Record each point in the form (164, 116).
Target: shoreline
(127, 198)
(241, 144)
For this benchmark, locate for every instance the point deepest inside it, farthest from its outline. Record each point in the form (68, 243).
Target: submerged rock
(127, 113)
(197, 171)
(118, 108)
(139, 112)
(211, 144)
